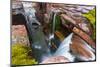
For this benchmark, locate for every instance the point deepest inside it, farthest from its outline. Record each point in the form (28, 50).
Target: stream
(41, 47)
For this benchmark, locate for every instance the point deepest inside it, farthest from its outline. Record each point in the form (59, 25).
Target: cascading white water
(64, 49)
(53, 27)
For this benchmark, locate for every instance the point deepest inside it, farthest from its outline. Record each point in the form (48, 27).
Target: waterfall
(64, 49)
(53, 26)
(54, 19)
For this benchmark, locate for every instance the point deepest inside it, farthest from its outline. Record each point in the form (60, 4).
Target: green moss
(91, 16)
(20, 55)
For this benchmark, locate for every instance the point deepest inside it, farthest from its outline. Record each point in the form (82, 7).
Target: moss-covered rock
(20, 55)
(91, 16)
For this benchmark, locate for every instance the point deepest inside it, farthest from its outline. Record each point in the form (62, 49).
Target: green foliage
(20, 55)
(58, 22)
(91, 17)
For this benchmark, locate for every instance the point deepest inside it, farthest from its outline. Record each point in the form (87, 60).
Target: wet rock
(19, 35)
(56, 59)
(81, 50)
